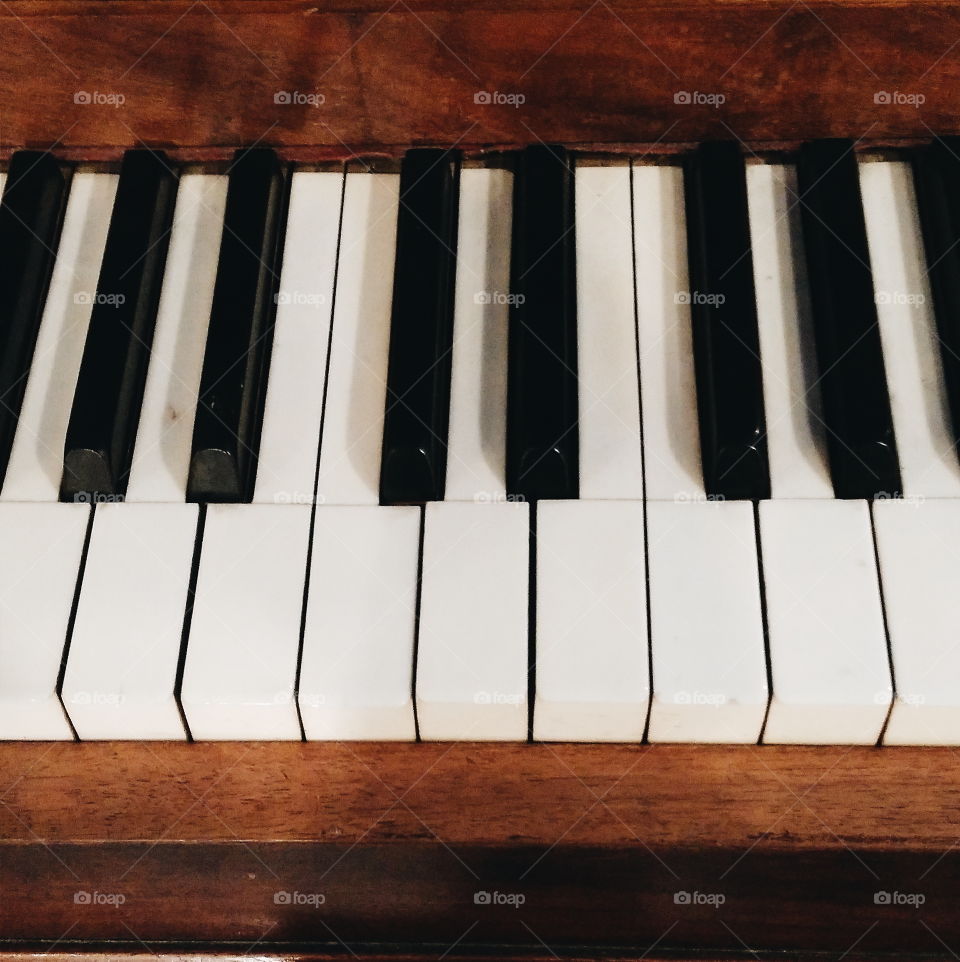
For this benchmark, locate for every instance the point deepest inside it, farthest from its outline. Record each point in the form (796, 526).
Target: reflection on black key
(226, 433)
(936, 171)
(30, 219)
(106, 406)
(856, 406)
(413, 466)
(723, 309)
(542, 435)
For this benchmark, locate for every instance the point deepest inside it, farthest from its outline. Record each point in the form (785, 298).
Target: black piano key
(413, 465)
(936, 174)
(226, 433)
(723, 309)
(852, 379)
(31, 214)
(542, 434)
(106, 405)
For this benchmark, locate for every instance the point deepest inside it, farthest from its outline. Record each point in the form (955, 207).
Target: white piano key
(287, 465)
(706, 624)
(671, 431)
(356, 675)
(919, 552)
(828, 647)
(796, 441)
(357, 379)
(39, 564)
(611, 457)
(478, 384)
(592, 658)
(908, 332)
(240, 672)
(161, 454)
(36, 459)
(121, 669)
(471, 675)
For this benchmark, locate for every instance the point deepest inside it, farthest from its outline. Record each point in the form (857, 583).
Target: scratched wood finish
(581, 845)
(365, 76)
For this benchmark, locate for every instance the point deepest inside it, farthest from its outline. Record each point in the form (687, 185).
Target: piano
(479, 484)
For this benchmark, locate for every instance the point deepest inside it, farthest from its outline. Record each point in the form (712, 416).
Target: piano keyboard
(542, 447)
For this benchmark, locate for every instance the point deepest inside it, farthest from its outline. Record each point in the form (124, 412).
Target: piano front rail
(342, 848)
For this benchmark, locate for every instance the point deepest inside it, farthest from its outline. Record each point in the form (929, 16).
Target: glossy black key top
(226, 433)
(106, 405)
(853, 384)
(413, 465)
(31, 214)
(723, 310)
(936, 174)
(542, 435)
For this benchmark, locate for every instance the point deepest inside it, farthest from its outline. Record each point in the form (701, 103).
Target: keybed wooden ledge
(726, 849)
(333, 78)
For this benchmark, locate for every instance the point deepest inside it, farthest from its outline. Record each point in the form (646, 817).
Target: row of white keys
(43, 540)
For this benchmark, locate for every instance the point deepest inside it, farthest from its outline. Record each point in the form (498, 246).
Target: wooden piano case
(464, 850)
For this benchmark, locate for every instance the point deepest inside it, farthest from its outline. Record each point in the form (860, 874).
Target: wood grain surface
(92, 77)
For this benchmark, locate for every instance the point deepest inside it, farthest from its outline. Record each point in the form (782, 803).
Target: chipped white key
(919, 551)
(161, 455)
(40, 551)
(35, 467)
(121, 670)
(796, 442)
(287, 464)
(356, 676)
(244, 641)
(478, 383)
(472, 649)
(592, 659)
(828, 647)
(611, 458)
(706, 626)
(360, 342)
(671, 432)
(908, 333)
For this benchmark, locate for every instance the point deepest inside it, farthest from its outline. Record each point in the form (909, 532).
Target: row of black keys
(542, 436)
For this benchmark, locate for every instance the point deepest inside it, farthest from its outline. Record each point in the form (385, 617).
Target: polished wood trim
(199, 840)
(201, 77)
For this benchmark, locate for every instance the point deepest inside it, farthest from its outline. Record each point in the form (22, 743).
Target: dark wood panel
(202, 75)
(787, 847)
